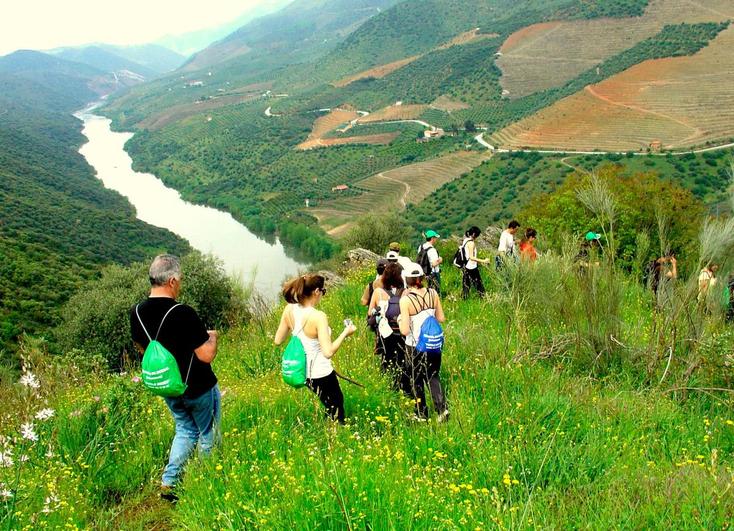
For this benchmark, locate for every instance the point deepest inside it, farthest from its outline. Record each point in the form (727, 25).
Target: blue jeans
(197, 422)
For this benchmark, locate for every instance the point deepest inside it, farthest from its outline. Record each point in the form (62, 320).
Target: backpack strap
(164, 318)
(141, 323)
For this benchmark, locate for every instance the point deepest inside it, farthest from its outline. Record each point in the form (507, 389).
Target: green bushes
(97, 319)
(376, 231)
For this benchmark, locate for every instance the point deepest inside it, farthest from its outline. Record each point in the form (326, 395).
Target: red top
(528, 252)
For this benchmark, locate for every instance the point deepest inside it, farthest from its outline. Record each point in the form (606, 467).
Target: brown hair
(415, 282)
(392, 278)
(301, 288)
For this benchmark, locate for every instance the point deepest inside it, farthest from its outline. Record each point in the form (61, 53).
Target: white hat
(413, 271)
(392, 256)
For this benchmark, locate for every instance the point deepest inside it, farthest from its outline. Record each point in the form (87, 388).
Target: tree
(470, 127)
(642, 201)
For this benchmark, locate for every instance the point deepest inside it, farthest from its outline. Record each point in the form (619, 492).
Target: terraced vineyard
(549, 54)
(397, 188)
(681, 101)
(377, 72)
(394, 112)
(326, 123)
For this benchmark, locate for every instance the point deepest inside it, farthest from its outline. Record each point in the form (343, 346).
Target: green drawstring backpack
(160, 370)
(293, 364)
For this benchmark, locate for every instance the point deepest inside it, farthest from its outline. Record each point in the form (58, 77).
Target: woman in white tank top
(302, 319)
(416, 305)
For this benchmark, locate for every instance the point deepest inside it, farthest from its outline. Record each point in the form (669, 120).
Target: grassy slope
(530, 443)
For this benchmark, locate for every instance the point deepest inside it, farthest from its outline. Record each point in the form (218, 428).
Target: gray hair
(164, 268)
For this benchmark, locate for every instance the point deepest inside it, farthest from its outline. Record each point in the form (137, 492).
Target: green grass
(533, 440)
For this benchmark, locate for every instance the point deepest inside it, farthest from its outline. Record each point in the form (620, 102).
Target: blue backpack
(430, 339)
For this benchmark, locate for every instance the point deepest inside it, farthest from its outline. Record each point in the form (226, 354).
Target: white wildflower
(6, 458)
(24, 458)
(26, 430)
(5, 493)
(45, 414)
(29, 380)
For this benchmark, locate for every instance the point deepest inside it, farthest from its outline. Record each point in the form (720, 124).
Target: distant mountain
(146, 61)
(189, 43)
(303, 27)
(29, 78)
(105, 60)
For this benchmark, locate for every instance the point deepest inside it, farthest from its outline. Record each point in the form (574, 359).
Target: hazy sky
(44, 24)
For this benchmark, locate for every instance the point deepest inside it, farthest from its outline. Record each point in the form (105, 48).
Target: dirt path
(574, 168)
(696, 131)
(406, 186)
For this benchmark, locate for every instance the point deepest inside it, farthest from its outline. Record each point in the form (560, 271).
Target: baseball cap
(394, 246)
(413, 271)
(432, 234)
(592, 236)
(392, 256)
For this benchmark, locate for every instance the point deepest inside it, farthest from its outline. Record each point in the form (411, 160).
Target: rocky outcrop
(361, 257)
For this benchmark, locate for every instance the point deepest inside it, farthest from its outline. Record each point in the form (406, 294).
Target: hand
(213, 333)
(440, 259)
(673, 260)
(349, 330)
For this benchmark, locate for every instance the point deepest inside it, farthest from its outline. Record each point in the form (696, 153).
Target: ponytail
(414, 282)
(301, 288)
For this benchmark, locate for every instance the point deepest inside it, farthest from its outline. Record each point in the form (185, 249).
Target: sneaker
(168, 494)
(443, 417)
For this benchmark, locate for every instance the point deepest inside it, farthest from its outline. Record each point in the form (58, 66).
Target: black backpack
(460, 260)
(423, 260)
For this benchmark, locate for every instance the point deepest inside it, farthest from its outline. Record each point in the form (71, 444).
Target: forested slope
(58, 224)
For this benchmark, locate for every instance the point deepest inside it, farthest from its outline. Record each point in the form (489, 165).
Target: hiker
(179, 329)
(730, 299)
(527, 249)
(301, 318)
(429, 259)
(471, 276)
(664, 268)
(384, 311)
(707, 281)
(416, 306)
(590, 248)
(369, 289)
(404, 261)
(506, 247)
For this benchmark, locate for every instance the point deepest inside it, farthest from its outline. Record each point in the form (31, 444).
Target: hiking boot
(168, 494)
(443, 417)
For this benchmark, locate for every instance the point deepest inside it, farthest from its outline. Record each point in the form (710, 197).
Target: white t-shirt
(432, 256)
(507, 243)
(404, 261)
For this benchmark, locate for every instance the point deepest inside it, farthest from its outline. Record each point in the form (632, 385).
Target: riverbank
(208, 230)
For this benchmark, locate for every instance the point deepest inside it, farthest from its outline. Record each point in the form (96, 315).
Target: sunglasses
(323, 291)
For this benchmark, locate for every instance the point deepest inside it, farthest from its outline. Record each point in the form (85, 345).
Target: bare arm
(404, 320)
(208, 351)
(376, 298)
(365, 300)
(471, 252)
(440, 317)
(284, 329)
(328, 347)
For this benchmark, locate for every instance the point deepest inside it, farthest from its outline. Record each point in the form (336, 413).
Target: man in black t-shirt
(197, 412)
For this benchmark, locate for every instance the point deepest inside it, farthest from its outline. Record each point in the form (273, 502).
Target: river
(245, 256)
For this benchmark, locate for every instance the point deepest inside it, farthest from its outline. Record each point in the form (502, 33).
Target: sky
(46, 24)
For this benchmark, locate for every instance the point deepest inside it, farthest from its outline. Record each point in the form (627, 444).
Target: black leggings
(422, 369)
(392, 354)
(472, 277)
(330, 394)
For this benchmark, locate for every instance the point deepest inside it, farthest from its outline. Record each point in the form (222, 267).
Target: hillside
(59, 224)
(301, 29)
(146, 61)
(544, 432)
(226, 135)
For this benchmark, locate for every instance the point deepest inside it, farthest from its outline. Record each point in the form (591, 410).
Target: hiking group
(403, 310)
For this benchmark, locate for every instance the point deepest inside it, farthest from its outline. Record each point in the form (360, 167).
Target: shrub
(96, 319)
(376, 231)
